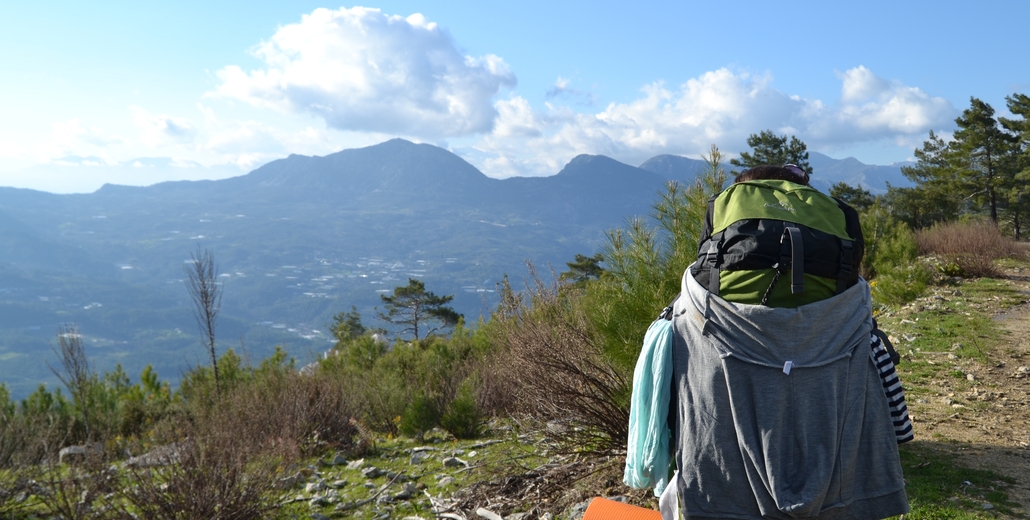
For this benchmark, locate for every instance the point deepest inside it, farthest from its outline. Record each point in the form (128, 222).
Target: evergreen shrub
(463, 419)
(421, 415)
(890, 262)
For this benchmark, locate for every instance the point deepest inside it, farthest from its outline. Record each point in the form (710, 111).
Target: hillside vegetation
(524, 412)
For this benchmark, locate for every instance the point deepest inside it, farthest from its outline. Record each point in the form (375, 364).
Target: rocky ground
(977, 411)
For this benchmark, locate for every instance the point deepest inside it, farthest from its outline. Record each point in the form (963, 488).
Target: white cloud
(860, 84)
(720, 107)
(516, 118)
(362, 70)
(158, 129)
(873, 108)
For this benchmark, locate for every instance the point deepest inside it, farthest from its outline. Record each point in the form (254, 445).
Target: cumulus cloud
(872, 108)
(516, 119)
(159, 129)
(721, 107)
(362, 70)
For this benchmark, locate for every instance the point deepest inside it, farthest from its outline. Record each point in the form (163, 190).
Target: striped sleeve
(892, 389)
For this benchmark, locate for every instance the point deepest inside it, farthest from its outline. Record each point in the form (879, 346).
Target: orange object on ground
(604, 509)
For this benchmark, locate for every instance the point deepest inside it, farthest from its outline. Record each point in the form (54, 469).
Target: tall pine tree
(1019, 193)
(933, 199)
(981, 155)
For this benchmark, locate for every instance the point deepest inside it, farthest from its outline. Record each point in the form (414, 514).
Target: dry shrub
(212, 475)
(552, 365)
(15, 472)
(968, 248)
(78, 490)
(236, 448)
(272, 404)
(306, 413)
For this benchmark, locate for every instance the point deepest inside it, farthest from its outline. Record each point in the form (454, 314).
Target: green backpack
(759, 231)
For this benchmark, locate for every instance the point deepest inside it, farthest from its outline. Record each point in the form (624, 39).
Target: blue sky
(141, 92)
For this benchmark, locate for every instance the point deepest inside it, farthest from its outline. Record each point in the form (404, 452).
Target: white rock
(162, 455)
(488, 514)
(290, 481)
(454, 462)
(78, 453)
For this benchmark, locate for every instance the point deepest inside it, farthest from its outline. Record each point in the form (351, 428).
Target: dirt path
(988, 415)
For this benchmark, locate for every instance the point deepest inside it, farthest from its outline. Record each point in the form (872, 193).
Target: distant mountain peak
(674, 167)
(593, 165)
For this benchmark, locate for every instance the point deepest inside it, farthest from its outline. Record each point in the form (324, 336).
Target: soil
(985, 424)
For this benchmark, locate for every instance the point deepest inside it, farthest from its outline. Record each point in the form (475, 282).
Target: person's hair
(766, 171)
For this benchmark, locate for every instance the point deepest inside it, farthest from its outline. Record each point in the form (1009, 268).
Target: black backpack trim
(757, 244)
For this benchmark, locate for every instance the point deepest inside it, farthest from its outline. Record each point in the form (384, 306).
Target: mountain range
(298, 240)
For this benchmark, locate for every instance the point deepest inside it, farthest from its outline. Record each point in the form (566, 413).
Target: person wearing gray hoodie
(780, 412)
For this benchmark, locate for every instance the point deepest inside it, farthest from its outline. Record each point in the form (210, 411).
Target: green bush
(890, 262)
(421, 415)
(463, 418)
(384, 378)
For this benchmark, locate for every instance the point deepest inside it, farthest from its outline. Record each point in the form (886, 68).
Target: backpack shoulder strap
(850, 250)
(895, 357)
(667, 311)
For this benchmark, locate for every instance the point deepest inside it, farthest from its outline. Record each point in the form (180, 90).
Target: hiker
(776, 408)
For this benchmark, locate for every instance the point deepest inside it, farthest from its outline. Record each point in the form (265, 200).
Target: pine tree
(981, 154)
(416, 308)
(347, 325)
(856, 197)
(584, 268)
(769, 148)
(936, 196)
(1019, 194)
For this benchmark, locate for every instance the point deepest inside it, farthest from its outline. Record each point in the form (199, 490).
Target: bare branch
(75, 371)
(206, 295)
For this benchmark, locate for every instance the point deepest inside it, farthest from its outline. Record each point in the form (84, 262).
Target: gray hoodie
(780, 412)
